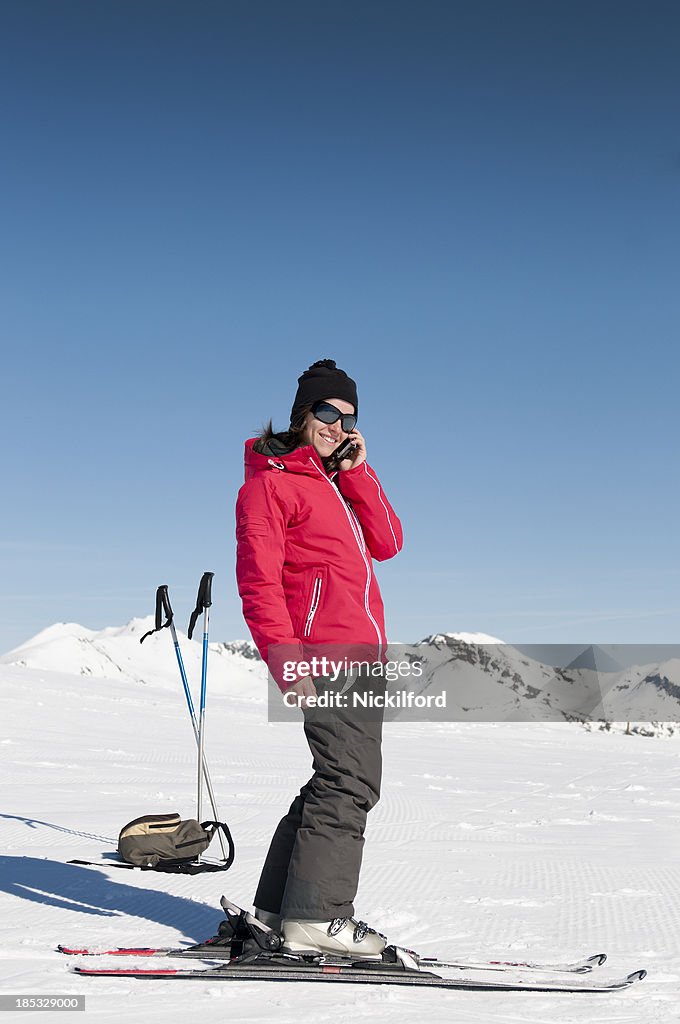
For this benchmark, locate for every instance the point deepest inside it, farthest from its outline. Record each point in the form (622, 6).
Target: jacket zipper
(356, 520)
(316, 596)
(361, 544)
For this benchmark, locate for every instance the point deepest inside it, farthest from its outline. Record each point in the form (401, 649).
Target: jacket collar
(305, 460)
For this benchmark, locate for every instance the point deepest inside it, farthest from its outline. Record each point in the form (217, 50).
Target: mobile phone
(344, 449)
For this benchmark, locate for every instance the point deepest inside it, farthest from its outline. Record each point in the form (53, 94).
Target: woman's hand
(303, 688)
(358, 455)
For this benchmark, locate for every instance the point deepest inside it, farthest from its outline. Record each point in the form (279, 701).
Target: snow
(471, 638)
(544, 840)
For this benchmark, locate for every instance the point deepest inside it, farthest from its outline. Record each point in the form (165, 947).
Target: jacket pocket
(313, 601)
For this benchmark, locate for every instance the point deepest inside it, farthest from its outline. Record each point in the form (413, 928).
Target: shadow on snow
(90, 891)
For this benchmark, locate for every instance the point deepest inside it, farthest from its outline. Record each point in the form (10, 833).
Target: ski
(250, 950)
(216, 949)
(204, 950)
(584, 966)
(278, 967)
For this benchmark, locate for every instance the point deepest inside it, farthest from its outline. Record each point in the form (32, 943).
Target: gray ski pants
(311, 871)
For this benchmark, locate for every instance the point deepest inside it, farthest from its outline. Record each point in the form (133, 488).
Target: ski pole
(163, 607)
(203, 603)
(192, 713)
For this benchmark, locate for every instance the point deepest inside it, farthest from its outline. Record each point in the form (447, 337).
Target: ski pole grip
(206, 586)
(162, 608)
(203, 600)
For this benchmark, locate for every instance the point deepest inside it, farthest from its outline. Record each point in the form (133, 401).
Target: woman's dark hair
(291, 438)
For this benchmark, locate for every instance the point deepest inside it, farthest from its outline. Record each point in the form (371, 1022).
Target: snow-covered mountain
(493, 681)
(485, 679)
(116, 653)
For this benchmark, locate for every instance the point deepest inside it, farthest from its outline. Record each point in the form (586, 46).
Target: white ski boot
(343, 936)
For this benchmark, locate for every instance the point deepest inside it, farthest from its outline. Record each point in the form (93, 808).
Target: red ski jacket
(305, 545)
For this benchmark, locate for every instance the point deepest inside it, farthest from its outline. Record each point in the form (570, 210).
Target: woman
(308, 529)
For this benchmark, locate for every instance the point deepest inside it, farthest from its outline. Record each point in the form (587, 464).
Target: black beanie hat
(322, 380)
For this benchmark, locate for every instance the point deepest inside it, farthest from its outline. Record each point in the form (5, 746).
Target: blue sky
(473, 208)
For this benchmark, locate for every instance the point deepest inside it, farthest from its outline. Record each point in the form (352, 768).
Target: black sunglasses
(327, 413)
